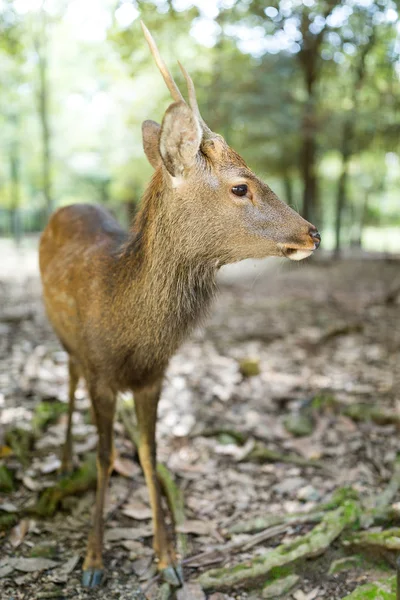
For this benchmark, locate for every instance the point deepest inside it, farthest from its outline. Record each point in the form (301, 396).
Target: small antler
(169, 80)
(192, 96)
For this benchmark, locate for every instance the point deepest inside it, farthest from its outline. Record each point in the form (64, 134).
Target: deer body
(137, 302)
(121, 303)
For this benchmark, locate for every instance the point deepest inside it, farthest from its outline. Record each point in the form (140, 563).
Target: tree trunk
(43, 101)
(340, 204)
(308, 169)
(15, 222)
(341, 197)
(364, 216)
(308, 150)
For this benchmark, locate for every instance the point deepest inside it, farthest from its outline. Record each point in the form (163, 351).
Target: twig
(232, 547)
(307, 546)
(176, 505)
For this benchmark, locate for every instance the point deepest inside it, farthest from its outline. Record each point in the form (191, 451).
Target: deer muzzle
(300, 251)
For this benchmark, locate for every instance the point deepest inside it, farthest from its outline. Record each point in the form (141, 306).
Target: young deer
(121, 303)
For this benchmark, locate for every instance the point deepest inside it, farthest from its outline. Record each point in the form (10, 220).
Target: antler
(169, 80)
(173, 88)
(192, 96)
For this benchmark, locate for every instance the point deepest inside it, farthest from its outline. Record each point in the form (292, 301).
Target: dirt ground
(285, 355)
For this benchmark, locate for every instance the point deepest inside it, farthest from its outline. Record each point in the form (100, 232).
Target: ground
(302, 360)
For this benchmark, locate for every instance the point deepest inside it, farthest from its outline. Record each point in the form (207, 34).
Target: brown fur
(121, 303)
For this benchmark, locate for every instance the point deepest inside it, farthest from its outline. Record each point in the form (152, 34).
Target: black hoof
(92, 577)
(173, 575)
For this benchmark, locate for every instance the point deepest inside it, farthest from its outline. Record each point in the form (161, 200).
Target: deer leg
(103, 403)
(146, 401)
(66, 463)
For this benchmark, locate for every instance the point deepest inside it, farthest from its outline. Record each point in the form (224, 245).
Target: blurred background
(287, 400)
(308, 92)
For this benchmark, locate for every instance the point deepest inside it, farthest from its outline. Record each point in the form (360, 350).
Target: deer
(121, 302)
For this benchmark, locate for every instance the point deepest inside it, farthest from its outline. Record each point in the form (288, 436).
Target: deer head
(226, 213)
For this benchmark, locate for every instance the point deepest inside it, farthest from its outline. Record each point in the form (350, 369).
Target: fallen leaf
(123, 533)
(125, 467)
(137, 510)
(18, 533)
(190, 591)
(51, 463)
(8, 507)
(31, 484)
(137, 548)
(30, 565)
(299, 595)
(196, 527)
(6, 570)
(5, 451)
(62, 574)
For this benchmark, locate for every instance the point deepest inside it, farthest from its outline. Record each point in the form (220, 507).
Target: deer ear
(180, 138)
(151, 139)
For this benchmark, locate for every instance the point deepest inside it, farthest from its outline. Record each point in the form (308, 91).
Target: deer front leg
(146, 401)
(103, 403)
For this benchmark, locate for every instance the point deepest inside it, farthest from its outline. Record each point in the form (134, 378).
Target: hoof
(173, 575)
(92, 577)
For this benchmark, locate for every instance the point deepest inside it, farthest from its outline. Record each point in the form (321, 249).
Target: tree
(40, 42)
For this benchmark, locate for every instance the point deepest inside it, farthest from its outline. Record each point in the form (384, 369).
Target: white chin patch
(300, 254)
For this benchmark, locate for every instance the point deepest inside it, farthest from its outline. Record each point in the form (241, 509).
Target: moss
(346, 564)
(380, 590)
(322, 402)
(299, 424)
(262, 453)
(80, 481)
(389, 539)
(249, 367)
(277, 588)
(312, 544)
(47, 413)
(6, 480)
(340, 496)
(8, 520)
(48, 550)
(21, 440)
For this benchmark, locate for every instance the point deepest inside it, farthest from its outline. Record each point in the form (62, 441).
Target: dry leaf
(51, 463)
(125, 467)
(5, 570)
(8, 507)
(31, 484)
(5, 451)
(299, 595)
(62, 574)
(123, 533)
(137, 510)
(190, 591)
(30, 565)
(18, 533)
(196, 527)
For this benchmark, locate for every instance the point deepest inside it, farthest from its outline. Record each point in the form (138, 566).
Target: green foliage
(47, 413)
(6, 480)
(268, 78)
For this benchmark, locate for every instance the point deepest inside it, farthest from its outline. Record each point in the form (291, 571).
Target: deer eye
(240, 190)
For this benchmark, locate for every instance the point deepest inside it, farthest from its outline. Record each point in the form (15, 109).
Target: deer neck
(171, 291)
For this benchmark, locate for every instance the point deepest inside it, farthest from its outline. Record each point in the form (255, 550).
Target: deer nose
(315, 236)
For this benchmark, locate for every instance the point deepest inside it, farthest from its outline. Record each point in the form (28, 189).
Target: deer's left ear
(151, 139)
(180, 138)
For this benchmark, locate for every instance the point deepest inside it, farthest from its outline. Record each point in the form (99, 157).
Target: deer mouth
(296, 253)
